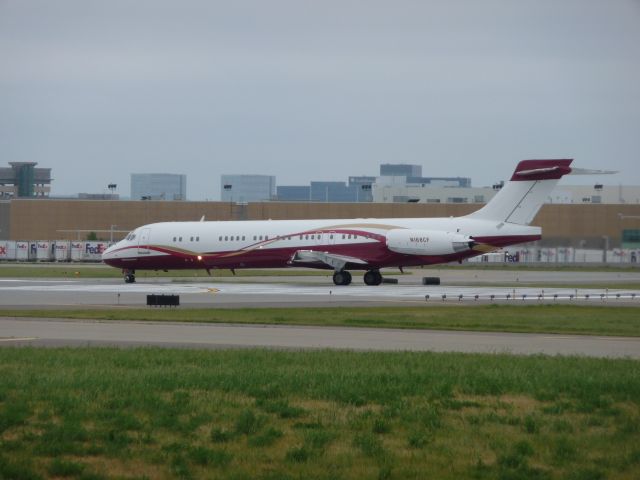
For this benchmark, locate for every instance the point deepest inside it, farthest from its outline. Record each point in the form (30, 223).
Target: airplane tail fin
(522, 196)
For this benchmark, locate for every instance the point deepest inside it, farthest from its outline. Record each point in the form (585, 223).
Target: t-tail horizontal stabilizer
(522, 196)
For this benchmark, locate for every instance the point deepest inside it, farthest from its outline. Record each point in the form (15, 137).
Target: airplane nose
(107, 254)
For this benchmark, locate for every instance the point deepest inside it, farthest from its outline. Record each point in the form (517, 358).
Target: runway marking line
(18, 339)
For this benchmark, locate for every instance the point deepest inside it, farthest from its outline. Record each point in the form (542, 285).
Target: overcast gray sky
(318, 90)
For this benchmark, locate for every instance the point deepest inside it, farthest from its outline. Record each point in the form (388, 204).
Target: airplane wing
(335, 261)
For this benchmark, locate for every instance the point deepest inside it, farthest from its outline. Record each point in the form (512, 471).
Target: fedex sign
(94, 249)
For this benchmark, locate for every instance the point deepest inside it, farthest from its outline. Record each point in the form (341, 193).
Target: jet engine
(427, 242)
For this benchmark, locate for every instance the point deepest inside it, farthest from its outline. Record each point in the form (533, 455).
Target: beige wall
(47, 219)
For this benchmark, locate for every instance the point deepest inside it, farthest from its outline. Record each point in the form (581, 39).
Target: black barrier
(163, 300)
(389, 280)
(431, 280)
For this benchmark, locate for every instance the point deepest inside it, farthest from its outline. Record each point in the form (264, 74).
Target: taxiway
(50, 332)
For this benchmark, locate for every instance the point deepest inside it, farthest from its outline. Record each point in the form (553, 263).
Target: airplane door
(143, 241)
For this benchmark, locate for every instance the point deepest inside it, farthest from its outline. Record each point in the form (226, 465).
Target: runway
(36, 293)
(49, 332)
(304, 292)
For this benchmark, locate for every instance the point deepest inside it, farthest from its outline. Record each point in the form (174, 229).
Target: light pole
(606, 248)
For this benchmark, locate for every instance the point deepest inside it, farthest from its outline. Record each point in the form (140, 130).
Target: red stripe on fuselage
(376, 254)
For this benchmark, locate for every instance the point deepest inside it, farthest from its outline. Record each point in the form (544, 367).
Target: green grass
(245, 414)
(594, 319)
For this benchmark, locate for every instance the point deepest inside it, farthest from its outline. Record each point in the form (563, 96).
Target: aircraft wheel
(373, 277)
(129, 278)
(342, 278)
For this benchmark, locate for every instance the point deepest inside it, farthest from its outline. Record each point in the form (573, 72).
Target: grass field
(573, 319)
(256, 414)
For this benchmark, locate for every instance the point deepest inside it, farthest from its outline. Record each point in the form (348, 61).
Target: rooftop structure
(23, 180)
(158, 186)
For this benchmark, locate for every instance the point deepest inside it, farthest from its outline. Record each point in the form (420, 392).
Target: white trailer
(44, 251)
(62, 251)
(77, 249)
(22, 251)
(7, 250)
(87, 251)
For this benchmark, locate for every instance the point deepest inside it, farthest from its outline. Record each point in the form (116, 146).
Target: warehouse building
(566, 225)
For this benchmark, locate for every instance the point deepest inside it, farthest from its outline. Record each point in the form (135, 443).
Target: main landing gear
(129, 276)
(342, 278)
(372, 277)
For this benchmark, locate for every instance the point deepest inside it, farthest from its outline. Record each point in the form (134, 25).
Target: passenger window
(180, 239)
(331, 236)
(197, 239)
(343, 236)
(243, 238)
(266, 237)
(313, 237)
(226, 237)
(191, 239)
(220, 238)
(174, 239)
(255, 238)
(306, 237)
(300, 237)
(260, 237)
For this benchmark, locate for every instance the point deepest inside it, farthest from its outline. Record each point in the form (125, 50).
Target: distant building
(23, 180)
(247, 188)
(293, 193)
(158, 186)
(399, 192)
(400, 170)
(363, 187)
(358, 190)
(413, 176)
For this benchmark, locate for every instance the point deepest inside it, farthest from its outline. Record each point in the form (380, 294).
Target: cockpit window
(130, 236)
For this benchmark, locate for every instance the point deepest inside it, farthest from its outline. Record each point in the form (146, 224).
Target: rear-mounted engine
(427, 242)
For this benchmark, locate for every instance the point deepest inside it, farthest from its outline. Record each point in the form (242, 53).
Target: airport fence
(91, 251)
(52, 251)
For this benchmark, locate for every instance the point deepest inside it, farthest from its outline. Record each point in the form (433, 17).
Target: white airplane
(345, 244)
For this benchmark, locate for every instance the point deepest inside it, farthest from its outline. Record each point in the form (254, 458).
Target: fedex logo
(94, 250)
(22, 246)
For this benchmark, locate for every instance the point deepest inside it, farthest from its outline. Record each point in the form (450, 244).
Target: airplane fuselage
(274, 243)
